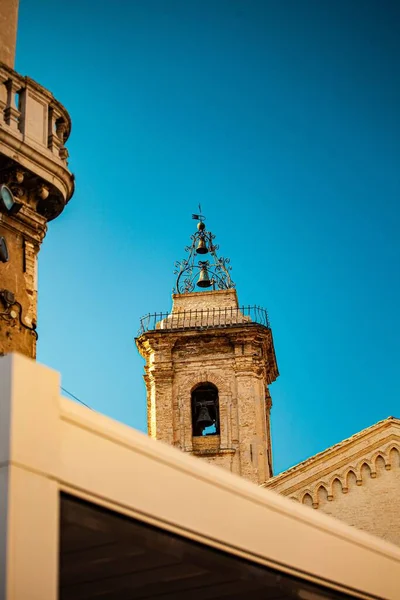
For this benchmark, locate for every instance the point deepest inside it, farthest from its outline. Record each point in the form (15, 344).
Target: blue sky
(282, 119)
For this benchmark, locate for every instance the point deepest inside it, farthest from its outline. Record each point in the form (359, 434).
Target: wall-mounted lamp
(7, 202)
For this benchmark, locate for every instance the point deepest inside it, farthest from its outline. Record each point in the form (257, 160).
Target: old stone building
(357, 480)
(208, 367)
(209, 364)
(207, 375)
(35, 185)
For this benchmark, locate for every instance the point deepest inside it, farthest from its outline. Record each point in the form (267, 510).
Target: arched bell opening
(205, 410)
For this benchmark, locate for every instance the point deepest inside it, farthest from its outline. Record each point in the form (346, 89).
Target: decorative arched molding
(320, 493)
(192, 381)
(307, 499)
(345, 478)
(394, 455)
(360, 469)
(389, 446)
(364, 469)
(376, 456)
(335, 484)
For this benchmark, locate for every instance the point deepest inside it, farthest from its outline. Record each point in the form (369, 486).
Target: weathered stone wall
(204, 300)
(8, 31)
(33, 165)
(19, 276)
(236, 357)
(370, 503)
(356, 481)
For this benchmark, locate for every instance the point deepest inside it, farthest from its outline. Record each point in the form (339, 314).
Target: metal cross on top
(194, 271)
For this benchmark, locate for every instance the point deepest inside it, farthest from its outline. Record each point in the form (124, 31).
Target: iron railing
(204, 318)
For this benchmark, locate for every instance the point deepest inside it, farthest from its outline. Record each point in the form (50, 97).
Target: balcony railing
(208, 318)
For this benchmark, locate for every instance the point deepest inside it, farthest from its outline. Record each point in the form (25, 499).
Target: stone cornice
(214, 451)
(249, 333)
(38, 161)
(208, 293)
(339, 452)
(27, 223)
(339, 469)
(334, 484)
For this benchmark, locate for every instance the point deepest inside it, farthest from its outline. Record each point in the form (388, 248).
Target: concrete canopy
(91, 508)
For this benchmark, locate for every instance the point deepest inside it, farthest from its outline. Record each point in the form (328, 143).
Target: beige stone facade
(207, 339)
(8, 29)
(357, 480)
(34, 128)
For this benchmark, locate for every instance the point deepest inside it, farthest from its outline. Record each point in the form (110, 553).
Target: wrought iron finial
(191, 272)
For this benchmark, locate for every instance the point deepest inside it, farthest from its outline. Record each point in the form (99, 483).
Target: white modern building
(92, 509)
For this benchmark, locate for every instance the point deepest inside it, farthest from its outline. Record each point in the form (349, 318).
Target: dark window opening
(95, 560)
(205, 410)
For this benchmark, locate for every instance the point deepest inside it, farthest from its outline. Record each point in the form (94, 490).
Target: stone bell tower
(35, 185)
(209, 363)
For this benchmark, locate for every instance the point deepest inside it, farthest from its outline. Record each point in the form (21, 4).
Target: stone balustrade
(34, 128)
(31, 113)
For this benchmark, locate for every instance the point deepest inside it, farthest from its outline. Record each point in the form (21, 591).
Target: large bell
(204, 278)
(204, 419)
(202, 247)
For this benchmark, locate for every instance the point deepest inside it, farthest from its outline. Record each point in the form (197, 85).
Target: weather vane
(199, 217)
(191, 272)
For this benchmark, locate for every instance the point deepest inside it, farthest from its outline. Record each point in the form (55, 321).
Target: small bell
(204, 278)
(204, 419)
(202, 247)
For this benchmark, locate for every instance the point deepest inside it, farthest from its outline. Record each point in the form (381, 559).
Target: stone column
(160, 414)
(268, 406)
(249, 440)
(11, 112)
(253, 434)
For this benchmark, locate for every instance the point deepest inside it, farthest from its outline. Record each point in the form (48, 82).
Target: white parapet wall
(49, 444)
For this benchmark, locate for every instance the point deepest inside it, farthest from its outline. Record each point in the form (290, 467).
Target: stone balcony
(34, 128)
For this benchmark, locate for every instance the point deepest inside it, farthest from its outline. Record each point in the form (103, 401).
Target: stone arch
(307, 499)
(321, 494)
(379, 461)
(192, 381)
(205, 410)
(335, 487)
(349, 479)
(364, 471)
(186, 382)
(394, 456)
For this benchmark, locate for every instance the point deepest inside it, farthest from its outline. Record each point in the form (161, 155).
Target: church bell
(204, 419)
(204, 278)
(202, 247)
